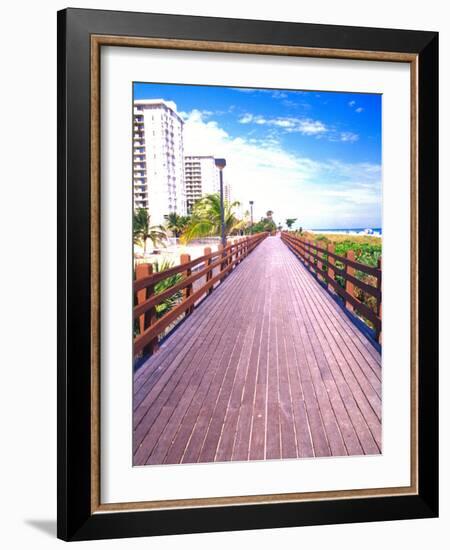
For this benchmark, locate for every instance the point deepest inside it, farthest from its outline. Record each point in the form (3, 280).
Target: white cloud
(311, 127)
(261, 120)
(319, 194)
(348, 136)
(352, 103)
(359, 110)
(246, 119)
(304, 126)
(278, 94)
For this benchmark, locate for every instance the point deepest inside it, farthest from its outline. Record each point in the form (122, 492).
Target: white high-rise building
(158, 168)
(227, 191)
(201, 177)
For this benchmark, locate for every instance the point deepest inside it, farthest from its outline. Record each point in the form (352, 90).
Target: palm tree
(176, 223)
(290, 222)
(143, 230)
(205, 219)
(168, 303)
(269, 214)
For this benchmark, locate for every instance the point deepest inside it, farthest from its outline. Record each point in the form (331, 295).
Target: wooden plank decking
(267, 367)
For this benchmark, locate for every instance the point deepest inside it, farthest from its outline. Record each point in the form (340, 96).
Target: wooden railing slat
(227, 258)
(156, 329)
(346, 261)
(314, 258)
(158, 298)
(160, 276)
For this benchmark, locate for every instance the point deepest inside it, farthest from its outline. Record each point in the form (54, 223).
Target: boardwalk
(268, 367)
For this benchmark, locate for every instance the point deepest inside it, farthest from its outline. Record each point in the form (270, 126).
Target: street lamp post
(251, 215)
(220, 164)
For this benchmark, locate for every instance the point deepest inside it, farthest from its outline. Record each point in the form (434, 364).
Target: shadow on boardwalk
(269, 366)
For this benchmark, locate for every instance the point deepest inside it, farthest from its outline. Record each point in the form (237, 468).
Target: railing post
(220, 251)
(149, 317)
(207, 252)
(187, 291)
(349, 286)
(330, 248)
(319, 260)
(379, 301)
(309, 255)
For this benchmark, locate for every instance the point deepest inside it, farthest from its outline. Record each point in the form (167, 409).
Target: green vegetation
(367, 248)
(205, 219)
(265, 224)
(290, 222)
(144, 231)
(176, 223)
(367, 251)
(168, 303)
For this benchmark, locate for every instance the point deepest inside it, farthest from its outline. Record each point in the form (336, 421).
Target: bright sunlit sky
(310, 155)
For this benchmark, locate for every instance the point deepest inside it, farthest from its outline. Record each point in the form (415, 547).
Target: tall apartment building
(227, 191)
(201, 177)
(158, 168)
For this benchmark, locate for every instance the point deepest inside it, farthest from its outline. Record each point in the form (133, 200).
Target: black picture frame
(76, 520)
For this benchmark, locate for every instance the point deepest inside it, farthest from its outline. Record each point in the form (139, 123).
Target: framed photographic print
(247, 274)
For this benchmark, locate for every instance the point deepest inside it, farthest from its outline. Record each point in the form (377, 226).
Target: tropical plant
(265, 224)
(144, 231)
(290, 222)
(269, 214)
(206, 220)
(168, 303)
(176, 223)
(367, 251)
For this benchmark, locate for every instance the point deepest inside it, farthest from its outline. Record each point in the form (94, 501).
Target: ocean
(375, 231)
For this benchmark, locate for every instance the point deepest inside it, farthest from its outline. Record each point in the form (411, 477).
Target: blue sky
(311, 155)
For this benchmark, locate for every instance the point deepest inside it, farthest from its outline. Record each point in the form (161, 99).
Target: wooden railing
(323, 263)
(222, 262)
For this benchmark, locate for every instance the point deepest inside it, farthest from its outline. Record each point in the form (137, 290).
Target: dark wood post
(220, 251)
(349, 286)
(187, 291)
(331, 276)
(232, 253)
(309, 254)
(149, 317)
(319, 260)
(379, 300)
(207, 252)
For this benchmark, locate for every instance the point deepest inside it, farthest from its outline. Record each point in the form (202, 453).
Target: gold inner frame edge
(97, 41)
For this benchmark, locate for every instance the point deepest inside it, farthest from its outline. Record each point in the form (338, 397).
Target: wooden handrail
(323, 265)
(225, 259)
(160, 276)
(346, 261)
